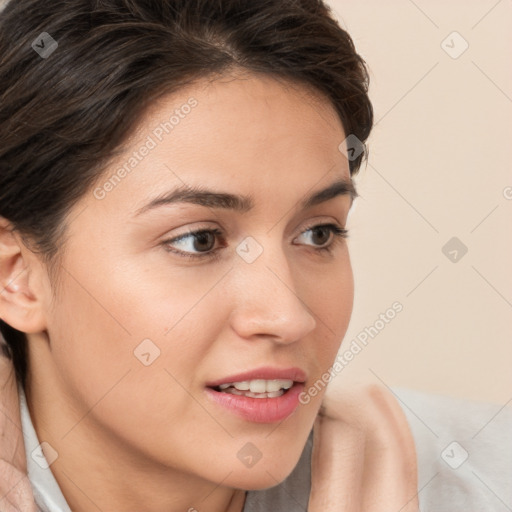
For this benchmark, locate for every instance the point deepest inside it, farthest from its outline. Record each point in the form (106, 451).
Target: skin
(133, 437)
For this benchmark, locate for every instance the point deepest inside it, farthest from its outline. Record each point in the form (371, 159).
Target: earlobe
(20, 303)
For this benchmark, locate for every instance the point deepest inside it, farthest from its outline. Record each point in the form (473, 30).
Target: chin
(265, 473)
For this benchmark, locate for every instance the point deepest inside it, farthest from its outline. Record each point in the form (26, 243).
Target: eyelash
(339, 235)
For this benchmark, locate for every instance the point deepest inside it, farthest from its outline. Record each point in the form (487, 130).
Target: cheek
(333, 297)
(124, 374)
(330, 297)
(135, 321)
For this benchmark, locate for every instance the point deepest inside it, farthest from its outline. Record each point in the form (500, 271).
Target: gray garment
(464, 451)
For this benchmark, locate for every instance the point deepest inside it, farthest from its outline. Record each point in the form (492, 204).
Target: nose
(267, 302)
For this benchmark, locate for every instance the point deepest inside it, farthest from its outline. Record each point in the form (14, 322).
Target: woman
(175, 180)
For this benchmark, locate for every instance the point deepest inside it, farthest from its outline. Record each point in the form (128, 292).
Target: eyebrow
(240, 203)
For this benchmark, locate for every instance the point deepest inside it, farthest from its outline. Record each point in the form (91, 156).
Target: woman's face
(147, 316)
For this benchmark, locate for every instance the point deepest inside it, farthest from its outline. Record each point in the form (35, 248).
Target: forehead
(247, 131)
(240, 110)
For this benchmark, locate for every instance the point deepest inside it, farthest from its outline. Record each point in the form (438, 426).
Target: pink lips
(260, 410)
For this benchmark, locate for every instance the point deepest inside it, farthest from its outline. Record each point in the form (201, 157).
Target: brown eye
(320, 235)
(194, 244)
(204, 241)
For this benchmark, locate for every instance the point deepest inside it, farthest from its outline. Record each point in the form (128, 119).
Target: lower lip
(259, 410)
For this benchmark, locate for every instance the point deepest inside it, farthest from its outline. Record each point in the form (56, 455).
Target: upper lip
(265, 373)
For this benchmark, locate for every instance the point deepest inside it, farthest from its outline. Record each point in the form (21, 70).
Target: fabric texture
(464, 451)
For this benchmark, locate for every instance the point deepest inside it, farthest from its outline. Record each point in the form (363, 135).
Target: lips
(267, 407)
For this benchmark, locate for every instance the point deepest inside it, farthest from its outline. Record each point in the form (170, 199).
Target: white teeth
(243, 386)
(273, 394)
(259, 385)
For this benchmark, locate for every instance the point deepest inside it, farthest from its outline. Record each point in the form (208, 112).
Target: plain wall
(439, 167)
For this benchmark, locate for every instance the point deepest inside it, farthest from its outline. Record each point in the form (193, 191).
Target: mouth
(261, 396)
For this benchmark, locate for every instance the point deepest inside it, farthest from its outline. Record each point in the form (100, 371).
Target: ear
(21, 278)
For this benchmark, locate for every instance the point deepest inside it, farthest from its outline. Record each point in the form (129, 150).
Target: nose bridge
(268, 302)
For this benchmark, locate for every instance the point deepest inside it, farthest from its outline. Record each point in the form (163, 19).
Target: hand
(363, 458)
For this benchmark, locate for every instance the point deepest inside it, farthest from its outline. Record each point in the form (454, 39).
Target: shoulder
(464, 452)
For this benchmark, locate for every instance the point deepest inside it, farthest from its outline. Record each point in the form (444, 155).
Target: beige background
(440, 160)
(439, 164)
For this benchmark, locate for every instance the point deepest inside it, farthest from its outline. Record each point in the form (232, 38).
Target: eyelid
(316, 223)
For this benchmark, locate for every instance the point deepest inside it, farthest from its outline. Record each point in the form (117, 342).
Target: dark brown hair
(64, 115)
